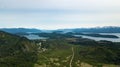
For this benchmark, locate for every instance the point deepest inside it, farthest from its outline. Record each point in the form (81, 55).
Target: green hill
(16, 51)
(59, 50)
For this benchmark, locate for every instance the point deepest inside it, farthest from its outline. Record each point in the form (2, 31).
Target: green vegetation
(57, 54)
(99, 35)
(16, 51)
(86, 52)
(97, 53)
(54, 35)
(59, 50)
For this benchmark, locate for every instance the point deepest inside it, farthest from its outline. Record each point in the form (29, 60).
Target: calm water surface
(34, 37)
(101, 38)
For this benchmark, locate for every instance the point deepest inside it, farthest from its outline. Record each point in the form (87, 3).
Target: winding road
(72, 57)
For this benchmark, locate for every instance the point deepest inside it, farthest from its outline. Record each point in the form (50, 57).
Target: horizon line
(57, 28)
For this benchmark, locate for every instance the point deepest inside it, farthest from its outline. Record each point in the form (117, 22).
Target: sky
(59, 14)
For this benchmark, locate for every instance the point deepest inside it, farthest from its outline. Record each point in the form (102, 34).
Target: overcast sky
(55, 14)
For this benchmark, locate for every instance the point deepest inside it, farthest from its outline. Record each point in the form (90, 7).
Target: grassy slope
(60, 55)
(57, 57)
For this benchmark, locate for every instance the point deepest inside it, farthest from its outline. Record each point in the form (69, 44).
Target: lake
(34, 37)
(101, 38)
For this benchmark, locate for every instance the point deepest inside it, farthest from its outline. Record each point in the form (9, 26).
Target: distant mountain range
(109, 29)
(20, 30)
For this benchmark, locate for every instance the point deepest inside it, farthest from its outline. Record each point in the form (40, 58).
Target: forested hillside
(16, 51)
(20, 30)
(58, 50)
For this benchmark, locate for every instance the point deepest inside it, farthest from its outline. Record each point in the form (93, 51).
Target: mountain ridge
(17, 30)
(106, 29)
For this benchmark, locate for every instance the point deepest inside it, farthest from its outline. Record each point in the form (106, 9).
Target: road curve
(72, 57)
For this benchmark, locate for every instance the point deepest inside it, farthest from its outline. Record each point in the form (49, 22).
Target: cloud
(53, 14)
(59, 4)
(50, 21)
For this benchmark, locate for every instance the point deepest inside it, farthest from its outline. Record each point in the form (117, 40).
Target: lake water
(101, 38)
(34, 37)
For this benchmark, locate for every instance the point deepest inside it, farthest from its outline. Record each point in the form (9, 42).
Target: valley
(59, 33)
(56, 49)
